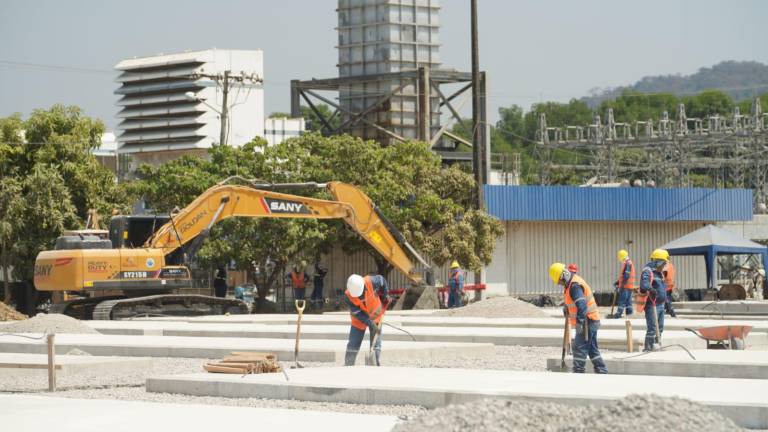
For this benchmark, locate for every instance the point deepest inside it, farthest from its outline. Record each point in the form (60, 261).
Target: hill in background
(740, 80)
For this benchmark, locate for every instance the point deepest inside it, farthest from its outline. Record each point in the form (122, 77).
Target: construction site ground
(447, 358)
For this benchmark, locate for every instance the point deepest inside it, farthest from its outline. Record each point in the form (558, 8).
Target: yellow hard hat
(660, 254)
(455, 264)
(622, 255)
(556, 272)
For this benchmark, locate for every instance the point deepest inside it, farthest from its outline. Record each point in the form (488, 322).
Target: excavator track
(82, 308)
(168, 305)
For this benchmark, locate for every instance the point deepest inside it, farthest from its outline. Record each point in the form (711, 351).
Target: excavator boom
(226, 200)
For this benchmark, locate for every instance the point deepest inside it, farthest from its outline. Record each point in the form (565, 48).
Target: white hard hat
(355, 285)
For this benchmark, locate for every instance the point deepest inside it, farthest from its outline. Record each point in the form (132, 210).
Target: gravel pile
(48, 323)
(645, 412)
(8, 313)
(496, 307)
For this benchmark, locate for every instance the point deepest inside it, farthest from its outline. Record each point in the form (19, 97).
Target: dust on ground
(646, 413)
(48, 323)
(496, 307)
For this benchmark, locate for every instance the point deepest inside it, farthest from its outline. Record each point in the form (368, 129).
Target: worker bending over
(581, 309)
(455, 285)
(653, 294)
(367, 301)
(625, 284)
(669, 278)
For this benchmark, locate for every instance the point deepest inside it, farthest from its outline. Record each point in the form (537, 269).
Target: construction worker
(651, 298)
(669, 278)
(367, 301)
(625, 284)
(220, 282)
(455, 285)
(318, 281)
(583, 315)
(299, 280)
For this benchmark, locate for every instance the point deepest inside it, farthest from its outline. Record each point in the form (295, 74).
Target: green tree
(426, 201)
(47, 157)
(11, 207)
(708, 103)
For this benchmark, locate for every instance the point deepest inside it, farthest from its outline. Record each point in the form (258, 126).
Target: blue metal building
(588, 225)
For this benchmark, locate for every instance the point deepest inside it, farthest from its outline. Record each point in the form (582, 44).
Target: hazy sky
(532, 50)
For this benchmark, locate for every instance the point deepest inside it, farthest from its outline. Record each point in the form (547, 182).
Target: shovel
(370, 357)
(566, 342)
(300, 304)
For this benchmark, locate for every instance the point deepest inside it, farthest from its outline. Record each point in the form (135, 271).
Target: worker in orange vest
(367, 299)
(583, 315)
(669, 278)
(625, 284)
(299, 279)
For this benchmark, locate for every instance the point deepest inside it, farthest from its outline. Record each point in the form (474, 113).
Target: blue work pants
(298, 293)
(624, 302)
(353, 346)
(583, 348)
(317, 294)
(454, 298)
(650, 334)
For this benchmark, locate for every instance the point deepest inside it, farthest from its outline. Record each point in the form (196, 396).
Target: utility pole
(224, 109)
(477, 149)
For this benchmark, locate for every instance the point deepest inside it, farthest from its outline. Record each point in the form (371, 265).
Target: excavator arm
(262, 200)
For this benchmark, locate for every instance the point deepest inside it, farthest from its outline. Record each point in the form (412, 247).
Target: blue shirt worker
(583, 315)
(367, 301)
(455, 285)
(652, 296)
(625, 284)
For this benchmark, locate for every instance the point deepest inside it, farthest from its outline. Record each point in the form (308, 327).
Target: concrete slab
(748, 308)
(707, 364)
(430, 321)
(745, 401)
(20, 413)
(615, 339)
(212, 347)
(15, 364)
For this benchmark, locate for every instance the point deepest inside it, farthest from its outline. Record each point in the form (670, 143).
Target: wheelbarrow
(724, 337)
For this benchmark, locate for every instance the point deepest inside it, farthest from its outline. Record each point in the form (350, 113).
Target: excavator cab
(132, 231)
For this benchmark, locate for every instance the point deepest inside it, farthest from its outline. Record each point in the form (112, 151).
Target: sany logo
(272, 205)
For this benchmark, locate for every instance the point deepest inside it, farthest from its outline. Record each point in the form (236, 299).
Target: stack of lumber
(244, 363)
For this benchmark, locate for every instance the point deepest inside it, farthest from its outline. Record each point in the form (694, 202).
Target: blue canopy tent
(711, 241)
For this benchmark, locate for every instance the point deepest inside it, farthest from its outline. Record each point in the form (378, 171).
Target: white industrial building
(171, 105)
(279, 129)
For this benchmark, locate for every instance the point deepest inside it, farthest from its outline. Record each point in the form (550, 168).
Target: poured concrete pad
(213, 347)
(38, 413)
(745, 401)
(615, 339)
(427, 321)
(707, 363)
(15, 364)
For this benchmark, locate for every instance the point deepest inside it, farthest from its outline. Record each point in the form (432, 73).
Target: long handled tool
(613, 302)
(370, 357)
(300, 304)
(566, 343)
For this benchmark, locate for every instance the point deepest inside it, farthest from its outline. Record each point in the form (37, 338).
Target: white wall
(522, 258)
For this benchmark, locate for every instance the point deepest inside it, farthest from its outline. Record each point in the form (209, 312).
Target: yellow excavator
(135, 268)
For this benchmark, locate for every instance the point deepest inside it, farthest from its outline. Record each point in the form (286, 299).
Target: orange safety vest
(627, 284)
(297, 280)
(371, 304)
(592, 311)
(669, 276)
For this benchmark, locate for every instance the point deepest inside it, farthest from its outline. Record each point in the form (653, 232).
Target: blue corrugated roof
(567, 203)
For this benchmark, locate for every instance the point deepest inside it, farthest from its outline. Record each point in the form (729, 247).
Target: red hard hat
(573, 268)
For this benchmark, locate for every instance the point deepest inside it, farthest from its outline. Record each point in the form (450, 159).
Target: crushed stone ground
(7, 313)
(643, 412)
(48, 323)
(495, 307)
